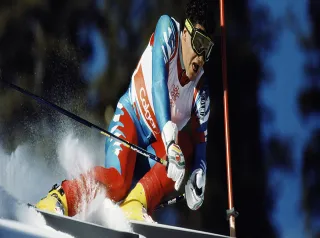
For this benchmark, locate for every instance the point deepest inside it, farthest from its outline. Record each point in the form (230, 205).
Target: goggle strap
(189, 26)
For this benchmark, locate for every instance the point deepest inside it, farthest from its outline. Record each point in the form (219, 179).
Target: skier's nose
(201, 60)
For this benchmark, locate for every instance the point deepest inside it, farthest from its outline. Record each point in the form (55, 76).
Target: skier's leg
(140, 199)
(117, 174)
(155, 184)
(115, 178)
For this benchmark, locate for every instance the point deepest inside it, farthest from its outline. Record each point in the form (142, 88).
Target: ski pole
(231, 212)
(171, 201)
(87, 123)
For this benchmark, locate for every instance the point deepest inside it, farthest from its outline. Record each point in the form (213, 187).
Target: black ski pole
(86, 123)
(171, 201)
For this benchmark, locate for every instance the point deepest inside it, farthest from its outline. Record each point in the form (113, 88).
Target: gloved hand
(195, 188)
(176, 165)
(176, 162)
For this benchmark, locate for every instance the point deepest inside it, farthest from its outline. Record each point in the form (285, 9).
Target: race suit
(159, 91)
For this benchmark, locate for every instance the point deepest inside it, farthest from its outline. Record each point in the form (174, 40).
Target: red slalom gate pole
(231, 213)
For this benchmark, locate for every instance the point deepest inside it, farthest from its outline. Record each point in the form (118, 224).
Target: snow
(26, 178)
(9, 228)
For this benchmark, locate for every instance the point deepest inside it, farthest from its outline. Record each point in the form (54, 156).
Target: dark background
(81, 54)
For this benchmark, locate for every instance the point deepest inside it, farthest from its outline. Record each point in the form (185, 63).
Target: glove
(176, 162)
(176, 165)
(194, 189)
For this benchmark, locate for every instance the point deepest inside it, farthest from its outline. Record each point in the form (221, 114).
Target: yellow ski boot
(134, 205)
(55, 201)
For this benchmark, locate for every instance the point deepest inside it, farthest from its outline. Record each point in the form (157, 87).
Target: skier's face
(192, 62)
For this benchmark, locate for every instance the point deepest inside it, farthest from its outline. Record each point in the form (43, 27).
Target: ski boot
(55, 201)
(134, 205)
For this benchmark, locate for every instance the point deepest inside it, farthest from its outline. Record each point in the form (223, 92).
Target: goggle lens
(200, 43)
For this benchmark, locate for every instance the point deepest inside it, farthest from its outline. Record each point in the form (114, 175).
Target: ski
(80, 229)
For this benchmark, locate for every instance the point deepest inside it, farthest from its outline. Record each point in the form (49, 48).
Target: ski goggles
(200, 42)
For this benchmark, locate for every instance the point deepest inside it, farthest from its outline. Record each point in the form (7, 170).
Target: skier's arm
(196, 184)
(200, 119)
(164, 48)
(165, 44)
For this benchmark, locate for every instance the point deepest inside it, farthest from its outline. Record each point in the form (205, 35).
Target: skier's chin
(192, 75)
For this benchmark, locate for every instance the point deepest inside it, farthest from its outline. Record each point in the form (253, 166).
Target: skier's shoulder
(203, 87)
(203, 82)
(168, 22)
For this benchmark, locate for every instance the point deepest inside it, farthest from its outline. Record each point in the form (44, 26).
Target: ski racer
(167, 90)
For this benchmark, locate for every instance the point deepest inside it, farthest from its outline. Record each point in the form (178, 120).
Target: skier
(167, 89)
